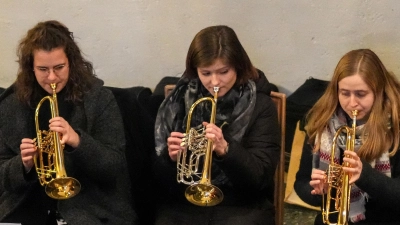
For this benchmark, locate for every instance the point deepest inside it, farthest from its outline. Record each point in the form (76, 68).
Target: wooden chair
(280, 103)
(168, 88)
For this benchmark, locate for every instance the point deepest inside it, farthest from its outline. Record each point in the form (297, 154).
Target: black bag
(297, 106)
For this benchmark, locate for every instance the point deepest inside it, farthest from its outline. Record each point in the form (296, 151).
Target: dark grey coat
(98, 162)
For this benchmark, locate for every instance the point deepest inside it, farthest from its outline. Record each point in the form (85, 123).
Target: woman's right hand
(28, 151)
(174, 145)
(318, 182)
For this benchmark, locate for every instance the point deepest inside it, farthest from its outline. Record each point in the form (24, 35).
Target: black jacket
(98, 163)
(249, 165)
(384, 192)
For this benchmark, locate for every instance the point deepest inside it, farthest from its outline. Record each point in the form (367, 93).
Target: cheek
(342, 101)
(368, 107)
(37, 78)
(368, 103)
(61, 86)
(40, 81)
(64, 79)
(65, 76)
(203, 80)
(230, 80)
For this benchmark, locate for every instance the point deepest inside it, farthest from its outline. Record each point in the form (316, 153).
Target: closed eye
(361, 94)
(59, 67)
(345, 93)
(205, 73)
(224, 72)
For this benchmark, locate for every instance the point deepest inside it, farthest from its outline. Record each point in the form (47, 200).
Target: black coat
(98, 163)
(384, 192)
(249, 165)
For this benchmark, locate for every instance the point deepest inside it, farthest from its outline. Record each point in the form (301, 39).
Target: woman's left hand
(355, 165)
(214, 133)
(68, 135)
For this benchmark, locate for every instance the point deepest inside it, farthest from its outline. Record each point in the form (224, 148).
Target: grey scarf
(235, 108)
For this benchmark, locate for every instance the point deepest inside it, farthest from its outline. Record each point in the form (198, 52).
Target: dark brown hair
(47, 36)
(219, 42)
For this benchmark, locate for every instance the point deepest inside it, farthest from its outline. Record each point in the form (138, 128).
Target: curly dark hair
(47, 36)
(219, 42)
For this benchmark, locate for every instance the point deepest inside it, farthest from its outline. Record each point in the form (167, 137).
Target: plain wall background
(137, 42)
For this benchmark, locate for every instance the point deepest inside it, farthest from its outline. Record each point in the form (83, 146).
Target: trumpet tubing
(201, 192)
(49, 161)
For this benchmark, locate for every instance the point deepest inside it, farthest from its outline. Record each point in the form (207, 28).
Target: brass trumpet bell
(63, 188)
(204, 194)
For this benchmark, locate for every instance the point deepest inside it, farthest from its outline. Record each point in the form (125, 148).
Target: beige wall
(137, 42)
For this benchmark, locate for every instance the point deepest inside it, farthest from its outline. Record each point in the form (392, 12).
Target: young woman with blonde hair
(360, 82)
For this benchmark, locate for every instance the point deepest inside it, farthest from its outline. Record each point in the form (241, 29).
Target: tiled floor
(296, 215)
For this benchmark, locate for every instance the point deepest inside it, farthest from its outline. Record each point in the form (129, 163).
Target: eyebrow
(222, 68)
(342, 89)
(61, 64)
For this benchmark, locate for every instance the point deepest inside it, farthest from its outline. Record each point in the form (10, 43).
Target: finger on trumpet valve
(183, 143)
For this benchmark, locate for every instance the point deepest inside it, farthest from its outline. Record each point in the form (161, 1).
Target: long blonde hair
(380, 135)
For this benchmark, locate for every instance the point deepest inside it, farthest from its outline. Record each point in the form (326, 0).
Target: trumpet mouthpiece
(216, 89)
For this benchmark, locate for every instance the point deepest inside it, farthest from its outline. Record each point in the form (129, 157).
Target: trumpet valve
(183, 143)
(334, 175)
(184, 140)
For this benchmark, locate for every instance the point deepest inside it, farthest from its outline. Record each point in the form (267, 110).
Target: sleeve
(13, 120)
(163, 168)
(251, 163)
(383, 190)
(13, 177)
(303, 177)
(100, 154)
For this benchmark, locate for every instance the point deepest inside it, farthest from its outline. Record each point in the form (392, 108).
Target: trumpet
(202, 192)
(49, 161)
(338, 180)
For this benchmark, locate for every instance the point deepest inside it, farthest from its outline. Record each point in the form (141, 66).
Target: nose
(215, 80)
(353, 101)
(52, 75)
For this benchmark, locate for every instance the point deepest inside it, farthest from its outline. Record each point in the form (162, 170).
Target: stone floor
(296, 215)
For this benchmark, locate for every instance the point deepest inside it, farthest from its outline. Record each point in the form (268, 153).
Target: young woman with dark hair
(245, 135)
(90, 129)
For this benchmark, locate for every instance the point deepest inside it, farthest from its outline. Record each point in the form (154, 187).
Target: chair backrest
(280, 102)
(168, 88)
